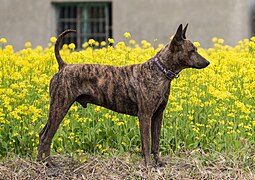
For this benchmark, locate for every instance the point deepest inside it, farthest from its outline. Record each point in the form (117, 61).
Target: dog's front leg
(156, 124)
(145, 126)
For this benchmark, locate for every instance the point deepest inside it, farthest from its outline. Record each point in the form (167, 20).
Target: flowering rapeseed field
(211, 108)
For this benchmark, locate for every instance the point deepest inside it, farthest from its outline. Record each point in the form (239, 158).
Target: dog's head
(184, 52)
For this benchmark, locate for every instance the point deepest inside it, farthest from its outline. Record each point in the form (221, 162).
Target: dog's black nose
(207, 63)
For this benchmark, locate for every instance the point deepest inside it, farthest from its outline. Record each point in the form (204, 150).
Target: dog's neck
(169, 59)
(167, 72)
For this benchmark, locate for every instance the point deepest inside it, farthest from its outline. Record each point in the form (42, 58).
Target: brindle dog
(139, 90)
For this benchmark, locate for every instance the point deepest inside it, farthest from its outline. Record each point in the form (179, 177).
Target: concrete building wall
(149, 19)
(26, 20)
(35, 20)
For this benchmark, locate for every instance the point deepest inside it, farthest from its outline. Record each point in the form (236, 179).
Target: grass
(195, 164)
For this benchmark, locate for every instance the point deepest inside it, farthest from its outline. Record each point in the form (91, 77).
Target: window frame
(81, 19)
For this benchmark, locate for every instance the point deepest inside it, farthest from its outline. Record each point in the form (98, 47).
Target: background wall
(149, 19)
(26, 20)
(34, 20)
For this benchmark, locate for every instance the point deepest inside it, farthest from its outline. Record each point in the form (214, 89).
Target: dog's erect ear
(178, 35)
(184, 31)
(177, 38)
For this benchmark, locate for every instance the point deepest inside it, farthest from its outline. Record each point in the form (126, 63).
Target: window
(91, 20)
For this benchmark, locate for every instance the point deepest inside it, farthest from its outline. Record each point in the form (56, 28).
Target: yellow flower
(74, 108)
(195, 129)
(28, 44)
(115, 119)
(127, 35)
(107, 116)
(120, 45)
(203, 135)
(220, 41)
(97, 109)
(132, 42)
(53, 39)
(66, 122)
(71, 46)
(65, 46)
(103, 43)
(91, 42)
(253, 38)
(249, 134)
(231, 115)
(145, 44)
(3, 41)
(123, 143)
(215, 40)
(120, 123)
(248, 127)
(49, 45)
(197, 44)
(84, 45)
(96, 43)
(99, 146)
(31, 133)
(111, 41)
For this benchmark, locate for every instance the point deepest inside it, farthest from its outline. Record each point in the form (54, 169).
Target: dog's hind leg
(58, 109)
(156, 124)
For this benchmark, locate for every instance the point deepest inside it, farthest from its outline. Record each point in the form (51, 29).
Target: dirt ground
(190, 166)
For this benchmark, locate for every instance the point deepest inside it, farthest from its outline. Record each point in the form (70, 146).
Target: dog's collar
(168, 73)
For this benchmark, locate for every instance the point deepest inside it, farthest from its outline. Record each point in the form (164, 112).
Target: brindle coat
(139, 90)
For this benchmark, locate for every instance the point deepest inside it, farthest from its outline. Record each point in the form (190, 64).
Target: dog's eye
(194, 50)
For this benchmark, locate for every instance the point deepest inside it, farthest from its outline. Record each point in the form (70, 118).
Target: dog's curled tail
(60, 61)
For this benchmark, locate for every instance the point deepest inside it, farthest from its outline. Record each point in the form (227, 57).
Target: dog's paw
(161, 164)
(50, 164)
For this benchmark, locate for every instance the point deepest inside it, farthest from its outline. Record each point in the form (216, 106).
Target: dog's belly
(124, 105)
